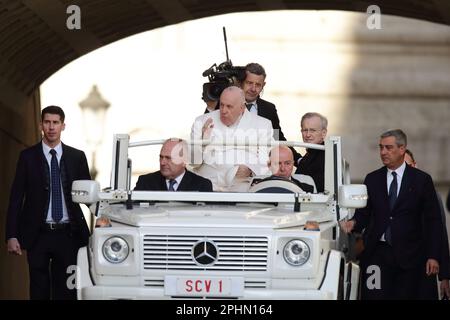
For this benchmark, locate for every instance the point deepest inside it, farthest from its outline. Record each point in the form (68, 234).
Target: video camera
(221, 76)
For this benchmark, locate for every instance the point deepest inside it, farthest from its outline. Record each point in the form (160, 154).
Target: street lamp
(94, 109)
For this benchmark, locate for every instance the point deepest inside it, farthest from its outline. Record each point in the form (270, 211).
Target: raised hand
(207, 129)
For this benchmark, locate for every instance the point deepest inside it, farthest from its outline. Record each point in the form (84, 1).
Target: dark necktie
(57, 208)
(392, 197)
(249, 106)
(171, 184)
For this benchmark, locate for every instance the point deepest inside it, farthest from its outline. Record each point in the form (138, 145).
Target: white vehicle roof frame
(120, 177)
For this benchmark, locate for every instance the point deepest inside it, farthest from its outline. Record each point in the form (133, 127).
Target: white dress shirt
(389, 178)
(399, 171)
(177, 183)
(253, 108)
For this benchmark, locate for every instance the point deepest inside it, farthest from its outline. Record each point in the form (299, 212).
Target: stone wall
(365, 82)
(19, 128)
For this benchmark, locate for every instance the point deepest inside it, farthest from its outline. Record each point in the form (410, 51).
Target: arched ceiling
(35, 42)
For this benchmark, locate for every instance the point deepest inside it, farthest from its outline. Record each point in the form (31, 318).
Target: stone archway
(35, 42)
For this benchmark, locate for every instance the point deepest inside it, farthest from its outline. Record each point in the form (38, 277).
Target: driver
(281, 164)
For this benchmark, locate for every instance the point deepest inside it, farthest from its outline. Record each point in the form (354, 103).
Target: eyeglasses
(310, 130)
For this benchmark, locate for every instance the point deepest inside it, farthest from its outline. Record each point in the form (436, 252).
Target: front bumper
(139, 293)
(88, 291)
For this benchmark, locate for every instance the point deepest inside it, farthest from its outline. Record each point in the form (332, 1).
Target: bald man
(229, 167)
(281, 164)
(173, 175)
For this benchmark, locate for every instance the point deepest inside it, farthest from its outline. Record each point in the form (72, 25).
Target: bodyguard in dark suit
(41, 218)
(314, 130)
(402, 225)
(253, 85)
(173, 175)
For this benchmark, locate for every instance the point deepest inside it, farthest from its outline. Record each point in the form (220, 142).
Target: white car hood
(239, 216)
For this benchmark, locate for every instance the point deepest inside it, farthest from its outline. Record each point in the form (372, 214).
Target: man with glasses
(314, 130)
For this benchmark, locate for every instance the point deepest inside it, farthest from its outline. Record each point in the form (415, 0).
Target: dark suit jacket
(190, 182)
(416, 225)
(313, 164)
(268, 110)
(30, 194)
(448, 201)
(305, 187)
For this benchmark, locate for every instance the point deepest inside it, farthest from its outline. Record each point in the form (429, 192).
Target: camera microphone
(221, 76)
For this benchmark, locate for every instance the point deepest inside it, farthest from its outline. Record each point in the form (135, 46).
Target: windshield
(157, 182)
(178, 171)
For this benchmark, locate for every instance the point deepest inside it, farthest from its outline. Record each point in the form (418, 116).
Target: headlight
(115, 249)
(296, 252)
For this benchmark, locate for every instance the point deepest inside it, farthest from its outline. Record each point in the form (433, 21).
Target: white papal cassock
(219, 163)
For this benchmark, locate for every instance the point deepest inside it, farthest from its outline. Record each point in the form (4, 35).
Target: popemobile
(272, 242)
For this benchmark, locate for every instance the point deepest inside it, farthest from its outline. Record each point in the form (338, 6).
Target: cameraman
(252, 86)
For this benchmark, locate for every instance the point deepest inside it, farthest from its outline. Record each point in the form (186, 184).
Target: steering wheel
(275, 184)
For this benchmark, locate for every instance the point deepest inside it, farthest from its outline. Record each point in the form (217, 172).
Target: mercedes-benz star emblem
(204, 252)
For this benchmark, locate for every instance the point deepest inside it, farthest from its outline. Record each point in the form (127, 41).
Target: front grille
(255, 284)
(174, 252)
(156, 283)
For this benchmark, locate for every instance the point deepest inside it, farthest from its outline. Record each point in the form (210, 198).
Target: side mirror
(353, 196)
(85, 191)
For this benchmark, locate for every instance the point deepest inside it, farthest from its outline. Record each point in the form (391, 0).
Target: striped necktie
(171, 184)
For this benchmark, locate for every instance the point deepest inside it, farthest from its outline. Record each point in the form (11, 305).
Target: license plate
(204, 286)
